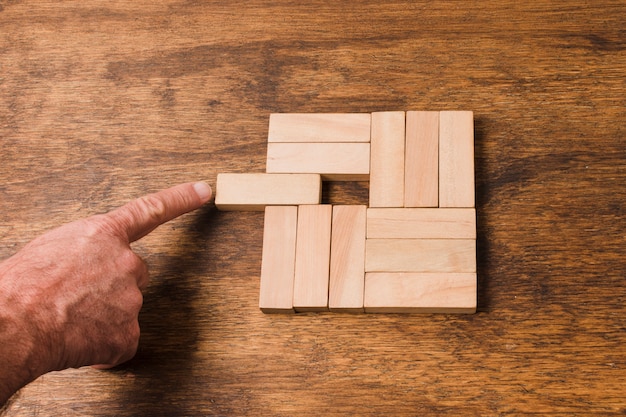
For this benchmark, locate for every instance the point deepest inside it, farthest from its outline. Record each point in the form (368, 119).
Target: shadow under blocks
(411, 249)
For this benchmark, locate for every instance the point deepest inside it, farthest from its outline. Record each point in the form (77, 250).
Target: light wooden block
(420, 293)
(310, 292)
(420, 255)
(334, 161)
(319, 127)
(253, 192)
(347, 259)
(421, 223)
(456, 159)
(278, 260)
(421, 178)
(387, 159)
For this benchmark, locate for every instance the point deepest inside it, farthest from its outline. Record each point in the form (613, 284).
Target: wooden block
(421, 169)
(387, 292)
(319, 127)
(456, 159)
(387, 160)
(278, 261)
(421, 223)
(347, 259)
(334, 161)
(310, 291)
(252, 192)
(420, 255)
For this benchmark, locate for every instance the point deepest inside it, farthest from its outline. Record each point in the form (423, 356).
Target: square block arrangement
(412, 249)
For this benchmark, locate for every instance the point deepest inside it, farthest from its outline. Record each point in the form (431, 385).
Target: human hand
(71, 297)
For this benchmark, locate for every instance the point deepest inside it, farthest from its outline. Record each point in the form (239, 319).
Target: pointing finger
(141, 216)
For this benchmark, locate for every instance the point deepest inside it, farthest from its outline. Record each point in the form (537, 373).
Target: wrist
(22, 357)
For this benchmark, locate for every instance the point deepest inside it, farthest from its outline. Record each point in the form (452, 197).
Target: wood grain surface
(101, 102)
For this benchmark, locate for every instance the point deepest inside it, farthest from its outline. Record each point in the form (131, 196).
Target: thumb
(141, 216)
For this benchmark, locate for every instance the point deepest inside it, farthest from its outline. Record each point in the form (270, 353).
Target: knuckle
(133, 270)
(153, 207)
(96, 225)
(132, 336)
(129, 261)
(123, 345)
(140, 272)
(126, 346)
(101, 225)
(132, 341)
(135, 302)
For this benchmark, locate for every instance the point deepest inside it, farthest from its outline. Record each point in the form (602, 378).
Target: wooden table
(101, 102)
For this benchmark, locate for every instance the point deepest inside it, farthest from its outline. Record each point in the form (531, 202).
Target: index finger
(141, 216)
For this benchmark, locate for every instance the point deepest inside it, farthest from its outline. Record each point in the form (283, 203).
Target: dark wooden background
(101, 102)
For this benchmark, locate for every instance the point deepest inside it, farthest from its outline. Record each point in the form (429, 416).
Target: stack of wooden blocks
(412, 249)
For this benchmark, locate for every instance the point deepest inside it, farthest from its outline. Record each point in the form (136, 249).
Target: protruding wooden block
(420, 293)
(456, 159)
(310, 292)
(319, 127)
(387, 160)
(421, 223)
(334, 161)
(421, 178)
(253, 192)
(420, 255)
(279, 258)
(347, 259)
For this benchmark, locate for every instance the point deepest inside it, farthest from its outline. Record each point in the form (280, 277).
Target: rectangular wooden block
(456, 159)
(347, 259)
(279, 258)
(387, 292)
(387, 159)
(334, 161)
(421, 170)
(420, 255)
(310, 291)
(253, 192)
(421, 223)
(319, 127)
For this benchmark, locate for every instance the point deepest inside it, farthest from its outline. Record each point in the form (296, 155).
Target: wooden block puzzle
(319, 127)
(420, 255)
(410, 292)
(279, 259)
(456, 159)
(310, 288)
(421, 167)
(253, 192)
(347, 259)
(421, 223)
(334, 161)
(387, 159)
(413, 250)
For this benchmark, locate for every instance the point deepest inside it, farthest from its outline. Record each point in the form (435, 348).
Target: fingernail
(203, 190)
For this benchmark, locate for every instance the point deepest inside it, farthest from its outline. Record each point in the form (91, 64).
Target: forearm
(18, 358)
(15, 371)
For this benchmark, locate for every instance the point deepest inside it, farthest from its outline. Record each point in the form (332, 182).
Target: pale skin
(71, 297)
